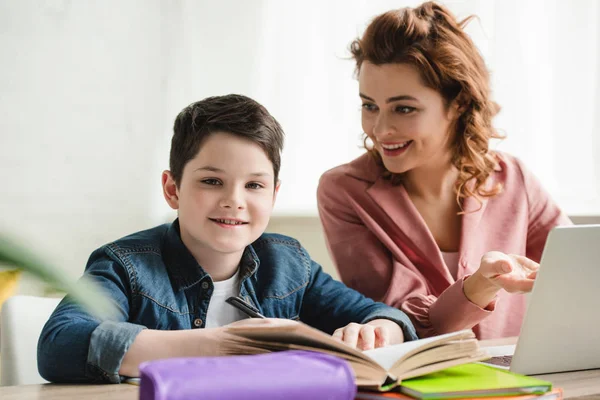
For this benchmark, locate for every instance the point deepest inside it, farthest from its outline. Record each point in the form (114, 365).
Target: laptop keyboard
(502, 361)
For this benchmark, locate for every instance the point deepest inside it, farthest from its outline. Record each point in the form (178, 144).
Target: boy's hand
(373, 334)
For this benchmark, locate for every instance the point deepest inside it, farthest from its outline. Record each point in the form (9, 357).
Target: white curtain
(544, 57)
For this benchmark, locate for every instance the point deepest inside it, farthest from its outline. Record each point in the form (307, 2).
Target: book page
(390, 355)
(299, 336)
(371, 365)
(296, 333)
(445, 352)
(365, 370)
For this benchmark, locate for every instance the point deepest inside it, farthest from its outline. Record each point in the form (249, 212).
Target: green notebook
(472, 380)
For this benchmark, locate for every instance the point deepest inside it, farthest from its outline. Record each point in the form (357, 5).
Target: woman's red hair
(431, 39)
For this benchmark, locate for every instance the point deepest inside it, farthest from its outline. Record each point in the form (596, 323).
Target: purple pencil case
(290, 375)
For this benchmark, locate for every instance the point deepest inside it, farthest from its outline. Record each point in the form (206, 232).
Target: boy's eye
(211, 181)
(254, 185)
(369, 107)
(405, 109)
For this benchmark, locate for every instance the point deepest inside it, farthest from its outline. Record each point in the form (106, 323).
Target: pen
(244, 307)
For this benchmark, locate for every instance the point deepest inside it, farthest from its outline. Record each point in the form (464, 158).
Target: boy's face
(225, 197)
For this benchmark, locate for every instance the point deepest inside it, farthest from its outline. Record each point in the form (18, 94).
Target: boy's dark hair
(235, 114)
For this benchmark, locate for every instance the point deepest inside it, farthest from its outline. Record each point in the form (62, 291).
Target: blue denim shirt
(157, 284)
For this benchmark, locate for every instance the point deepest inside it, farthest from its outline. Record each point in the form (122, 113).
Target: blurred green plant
(84, 291)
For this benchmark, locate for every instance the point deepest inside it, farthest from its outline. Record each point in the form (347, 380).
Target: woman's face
(408, 122)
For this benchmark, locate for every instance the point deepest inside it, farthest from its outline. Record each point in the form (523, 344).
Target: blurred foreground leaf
(83, 291)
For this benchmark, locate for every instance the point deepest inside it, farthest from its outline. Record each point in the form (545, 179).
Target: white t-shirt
(220, 313)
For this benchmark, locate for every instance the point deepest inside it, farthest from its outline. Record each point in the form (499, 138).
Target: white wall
(82, 115)
(88, 93)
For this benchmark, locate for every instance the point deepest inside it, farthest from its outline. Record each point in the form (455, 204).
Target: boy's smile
(228, 222)
(224, 200)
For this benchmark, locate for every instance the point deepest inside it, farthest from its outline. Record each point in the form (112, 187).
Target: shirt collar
(183, 268)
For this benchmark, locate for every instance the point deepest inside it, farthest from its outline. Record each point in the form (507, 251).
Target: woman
(430, 220)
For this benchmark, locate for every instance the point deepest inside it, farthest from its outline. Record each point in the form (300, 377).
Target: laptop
(561, 328)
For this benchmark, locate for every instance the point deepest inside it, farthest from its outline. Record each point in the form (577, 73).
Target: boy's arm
(329, 304)
(151, 344)
(75, 346)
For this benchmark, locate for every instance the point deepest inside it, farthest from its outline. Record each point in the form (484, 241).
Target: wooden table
(51, 391)
(583, 385)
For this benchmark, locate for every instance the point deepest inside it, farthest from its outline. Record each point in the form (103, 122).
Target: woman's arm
(514, 273)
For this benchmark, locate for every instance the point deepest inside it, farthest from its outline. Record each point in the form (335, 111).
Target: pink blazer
(382, 247)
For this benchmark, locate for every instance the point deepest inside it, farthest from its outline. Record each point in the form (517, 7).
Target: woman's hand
(373, 334)
(513, 273)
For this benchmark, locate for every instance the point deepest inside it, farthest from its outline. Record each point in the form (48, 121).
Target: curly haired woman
(429, 219)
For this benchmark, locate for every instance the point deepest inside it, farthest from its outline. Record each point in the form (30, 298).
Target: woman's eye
(254, 185)
(405, 109)
(369, 107)
(211, 181)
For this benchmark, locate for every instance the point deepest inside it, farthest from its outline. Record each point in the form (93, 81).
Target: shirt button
(204, 285)
(197, 322)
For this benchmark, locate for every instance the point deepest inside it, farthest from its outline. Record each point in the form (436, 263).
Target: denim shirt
(157, 284)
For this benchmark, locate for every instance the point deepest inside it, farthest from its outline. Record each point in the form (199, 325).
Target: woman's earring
(367, 142)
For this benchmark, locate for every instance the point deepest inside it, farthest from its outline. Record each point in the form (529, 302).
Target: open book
(378, 369)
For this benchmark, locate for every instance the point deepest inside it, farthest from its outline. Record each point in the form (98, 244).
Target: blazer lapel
(407, 229)
(473, 212)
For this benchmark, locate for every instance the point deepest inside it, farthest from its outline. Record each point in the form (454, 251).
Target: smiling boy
(171, 282)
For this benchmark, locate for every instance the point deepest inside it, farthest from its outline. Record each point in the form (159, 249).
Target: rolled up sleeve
(108, 344)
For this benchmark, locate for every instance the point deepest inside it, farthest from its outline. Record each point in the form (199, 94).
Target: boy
(171, 280)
